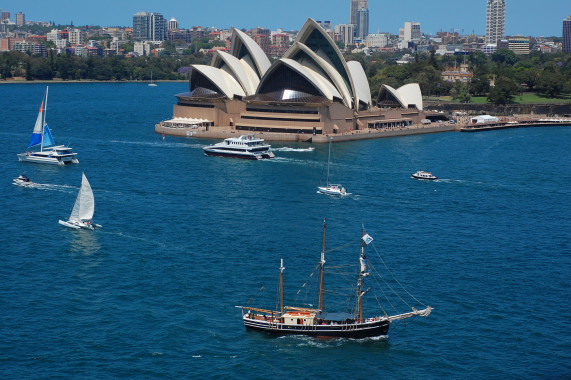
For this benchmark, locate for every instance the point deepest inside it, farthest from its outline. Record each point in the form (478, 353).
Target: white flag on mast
(367, 239)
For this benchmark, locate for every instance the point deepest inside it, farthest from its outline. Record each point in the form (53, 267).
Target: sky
(524, 17)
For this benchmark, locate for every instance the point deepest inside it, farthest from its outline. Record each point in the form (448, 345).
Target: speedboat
(22, 180)
(245, 146)
(424, 175)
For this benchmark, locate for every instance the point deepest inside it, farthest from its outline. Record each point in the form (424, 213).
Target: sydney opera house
(310, 93)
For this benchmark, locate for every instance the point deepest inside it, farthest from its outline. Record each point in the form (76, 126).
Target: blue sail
(48, 138)
(36, 139)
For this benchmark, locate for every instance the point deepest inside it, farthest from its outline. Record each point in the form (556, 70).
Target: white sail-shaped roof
(407, 95)
(227, 85)
(363, 92)
(245, 48)
(412, 95)
(320, 83)
(313, 36)
(84, 205)
(239, 69)
(301, 53)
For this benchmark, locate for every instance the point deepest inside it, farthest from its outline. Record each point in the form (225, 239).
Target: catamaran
(49, 153)
(83, 208)
(331, 189)
(317, 322)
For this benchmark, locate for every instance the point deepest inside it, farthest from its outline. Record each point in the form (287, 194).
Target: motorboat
(83, 208)
(49, 153)
(424, 175)
(23, 180)
(331, 189)
(245, 146)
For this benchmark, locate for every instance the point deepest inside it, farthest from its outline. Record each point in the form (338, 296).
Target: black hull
(233, 155)
(350, 331)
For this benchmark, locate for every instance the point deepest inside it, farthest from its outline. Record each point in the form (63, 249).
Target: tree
(460, 91)
(550, 83)
(479, 85)
(503, 92)
(505, 56)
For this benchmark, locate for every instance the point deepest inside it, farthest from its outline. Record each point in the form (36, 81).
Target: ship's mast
(282, 268)
(44, 121)
(362, 274)
(322, 263)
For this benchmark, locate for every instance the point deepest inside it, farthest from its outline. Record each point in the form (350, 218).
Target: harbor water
(187, 237)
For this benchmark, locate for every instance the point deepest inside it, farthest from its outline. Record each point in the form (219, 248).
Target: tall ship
(246, 146)
(321, 323)
(49, 153)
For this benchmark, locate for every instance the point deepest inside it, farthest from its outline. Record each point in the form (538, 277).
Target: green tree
(505, 56)
(550, 83)
(479, 85)
(503, 91)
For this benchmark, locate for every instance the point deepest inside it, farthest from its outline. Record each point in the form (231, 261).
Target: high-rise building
(360, 17)
(495, 21)
(567, 35)
(411, 31)
(345, 33)
(362, 23)
(20, 19)
(149, 27)
(5, 16)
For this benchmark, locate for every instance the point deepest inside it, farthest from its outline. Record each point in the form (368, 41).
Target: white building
(379, 40)
(53, 36)
(173, 24)
(142, 48)
(76, 36)
(344, 33)
(495, 21)
(411, 31)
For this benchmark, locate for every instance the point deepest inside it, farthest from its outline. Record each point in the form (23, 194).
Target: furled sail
(84, 203)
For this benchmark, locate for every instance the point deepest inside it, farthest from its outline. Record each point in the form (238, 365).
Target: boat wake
(161, 144)
(50, 187)
(286, 149)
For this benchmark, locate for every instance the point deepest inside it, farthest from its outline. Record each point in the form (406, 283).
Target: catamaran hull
(351, 331)
(39, 159)
(234, 154)
(78, 225)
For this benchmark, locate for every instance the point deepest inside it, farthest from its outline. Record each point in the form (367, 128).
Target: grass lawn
(526, 98)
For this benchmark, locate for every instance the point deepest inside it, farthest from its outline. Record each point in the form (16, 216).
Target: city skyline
(522, 17)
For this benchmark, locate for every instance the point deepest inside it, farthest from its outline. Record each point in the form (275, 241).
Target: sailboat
(317, 322)
(331, 189)
(83, 208)
(152, 84)
(49, 153)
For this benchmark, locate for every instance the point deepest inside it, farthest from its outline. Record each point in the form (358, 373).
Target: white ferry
(245, 146)
(423, 175)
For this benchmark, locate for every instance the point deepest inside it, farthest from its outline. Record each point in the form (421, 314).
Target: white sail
(84, 206)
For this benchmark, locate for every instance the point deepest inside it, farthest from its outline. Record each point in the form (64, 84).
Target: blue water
(187, 237)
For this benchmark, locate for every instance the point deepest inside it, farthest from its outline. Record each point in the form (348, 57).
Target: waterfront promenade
(462, 124)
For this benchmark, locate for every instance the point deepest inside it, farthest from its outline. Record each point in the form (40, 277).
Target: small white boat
(424, 175)
(331, 189)
(49, 153)
(152, 84)
(245, 146)
(83, 209)
(23, 180)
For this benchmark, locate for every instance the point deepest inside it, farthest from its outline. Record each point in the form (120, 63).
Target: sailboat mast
(328, 159)
(44, 120)
(361, 278)
(282, 268)
(322, 264)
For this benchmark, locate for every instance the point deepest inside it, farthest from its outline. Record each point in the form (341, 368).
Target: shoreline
(89, 81)
(365, 134)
